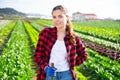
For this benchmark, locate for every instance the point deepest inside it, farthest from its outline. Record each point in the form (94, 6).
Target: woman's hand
(50, 71)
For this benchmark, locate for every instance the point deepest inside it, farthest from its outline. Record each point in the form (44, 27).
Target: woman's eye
(54, 17)
(59, 16)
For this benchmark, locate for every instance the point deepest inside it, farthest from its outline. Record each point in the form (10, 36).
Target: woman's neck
(60, 33)
(61, 30)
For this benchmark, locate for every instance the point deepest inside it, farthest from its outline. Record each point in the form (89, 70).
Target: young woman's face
(59, 19)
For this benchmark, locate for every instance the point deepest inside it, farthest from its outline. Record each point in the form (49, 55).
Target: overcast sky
(102, 8)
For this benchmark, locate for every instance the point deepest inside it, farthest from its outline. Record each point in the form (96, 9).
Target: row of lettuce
(5, 30)
(108, 30)
(16, 57)
(15, 60)
(104, 67)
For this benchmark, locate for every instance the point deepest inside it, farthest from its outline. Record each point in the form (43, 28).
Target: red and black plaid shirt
(47, 38)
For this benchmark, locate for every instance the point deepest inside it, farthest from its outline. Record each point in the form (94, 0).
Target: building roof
(90, 14)
(77, 13)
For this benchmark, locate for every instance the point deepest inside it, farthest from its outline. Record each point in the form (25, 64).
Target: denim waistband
(63, 71)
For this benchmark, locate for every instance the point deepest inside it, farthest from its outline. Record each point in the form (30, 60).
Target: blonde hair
(69, 27)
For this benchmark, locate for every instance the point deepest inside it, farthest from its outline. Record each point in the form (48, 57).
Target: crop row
(100, 41)
(15, 61)
(107, 34)
(33, 34)
(36, 26)
(4, 33)
(99, 24)
(105, 68)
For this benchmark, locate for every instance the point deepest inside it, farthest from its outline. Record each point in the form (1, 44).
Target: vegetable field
(18, 40)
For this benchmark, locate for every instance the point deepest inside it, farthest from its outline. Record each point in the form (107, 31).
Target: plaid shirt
(47, 38)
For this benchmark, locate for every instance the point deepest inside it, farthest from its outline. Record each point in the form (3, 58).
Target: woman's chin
(57, 26)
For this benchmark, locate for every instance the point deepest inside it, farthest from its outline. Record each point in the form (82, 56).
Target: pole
(52, 65)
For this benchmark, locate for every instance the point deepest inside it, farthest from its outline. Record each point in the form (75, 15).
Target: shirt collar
(55, 32)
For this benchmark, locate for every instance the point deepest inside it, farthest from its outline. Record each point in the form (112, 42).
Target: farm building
(81, 16)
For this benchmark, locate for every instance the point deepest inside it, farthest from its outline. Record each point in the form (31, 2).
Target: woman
(61, 46)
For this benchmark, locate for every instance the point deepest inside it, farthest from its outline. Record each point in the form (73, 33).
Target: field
(18, 40)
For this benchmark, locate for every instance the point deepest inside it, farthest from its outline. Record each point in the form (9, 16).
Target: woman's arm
(39, 56)
(81, 52)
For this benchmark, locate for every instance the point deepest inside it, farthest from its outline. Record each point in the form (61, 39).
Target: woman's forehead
(58, 12)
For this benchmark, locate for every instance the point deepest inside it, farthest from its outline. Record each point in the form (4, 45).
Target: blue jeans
(64, 75)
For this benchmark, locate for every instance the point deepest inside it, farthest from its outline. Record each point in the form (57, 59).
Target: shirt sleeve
(39, 55)
(81, 52)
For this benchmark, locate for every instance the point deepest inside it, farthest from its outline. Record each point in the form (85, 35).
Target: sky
(102, 8)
